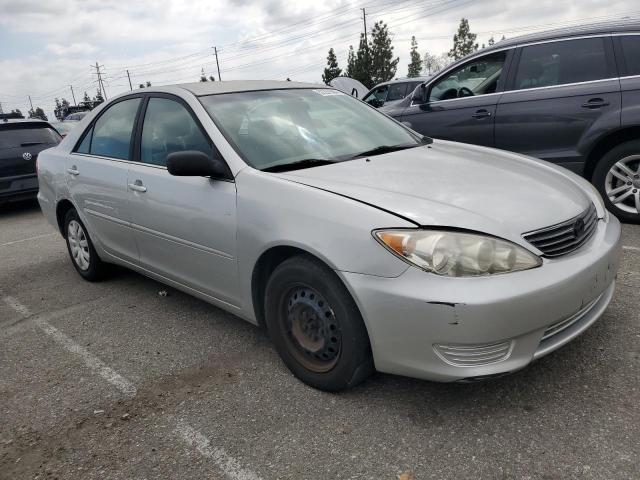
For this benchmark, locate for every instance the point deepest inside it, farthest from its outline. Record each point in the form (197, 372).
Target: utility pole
(72, 95)
(100, 83)
(366, 40)
(129, 77)
(30, 103)
(215, 49)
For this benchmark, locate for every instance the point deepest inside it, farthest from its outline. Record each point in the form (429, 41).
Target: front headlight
(457, 254)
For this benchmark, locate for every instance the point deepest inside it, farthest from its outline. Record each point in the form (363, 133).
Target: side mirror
(193, 163)
(421, 94)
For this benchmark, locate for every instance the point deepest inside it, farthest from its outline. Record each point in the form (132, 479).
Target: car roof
(619, 26)
(233, 86)
(10, 121)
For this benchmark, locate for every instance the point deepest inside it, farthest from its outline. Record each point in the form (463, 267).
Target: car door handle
(73, 171)
(137, 186)
(595, 103)
(482, 114)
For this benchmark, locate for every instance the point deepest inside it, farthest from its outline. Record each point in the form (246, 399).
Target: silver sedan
(356, 242)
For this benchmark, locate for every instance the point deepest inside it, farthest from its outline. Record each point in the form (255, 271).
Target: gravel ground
(112, 380)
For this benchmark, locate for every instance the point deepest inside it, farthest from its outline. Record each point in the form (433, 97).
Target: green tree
(98, 99)
(351, 62)
(491, 41)
(17, 111)
(331, 71)
(361, 65)
(37, 113)
(464, 42)
(382, 65)
(86, 98)
(415, 67)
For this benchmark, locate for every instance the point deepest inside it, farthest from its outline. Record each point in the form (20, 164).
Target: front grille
(473, 355)
(564, 237)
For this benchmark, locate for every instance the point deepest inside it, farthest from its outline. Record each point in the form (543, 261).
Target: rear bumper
(20, 187)
(446, 329)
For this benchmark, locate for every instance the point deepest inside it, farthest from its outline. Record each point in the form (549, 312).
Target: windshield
(280, 127)
(18, 136)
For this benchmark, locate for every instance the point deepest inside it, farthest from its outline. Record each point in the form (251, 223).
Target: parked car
(76, 116)
(390, 93)
(63, 128)
(357, 242)
(20, 143)
(569, 96)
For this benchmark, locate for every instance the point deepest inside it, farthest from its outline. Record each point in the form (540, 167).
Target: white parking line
(27, 239)
(632, 249)
(92, 362)
(227, 464)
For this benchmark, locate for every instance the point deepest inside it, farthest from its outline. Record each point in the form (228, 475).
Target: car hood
(457, 185)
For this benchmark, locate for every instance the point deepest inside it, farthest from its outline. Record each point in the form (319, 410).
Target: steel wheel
(78, 245)
(313, 332)
(622, 184)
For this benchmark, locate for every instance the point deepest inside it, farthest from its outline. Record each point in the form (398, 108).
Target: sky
(48, 45)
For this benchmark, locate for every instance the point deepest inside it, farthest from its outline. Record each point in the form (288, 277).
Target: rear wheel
(316, 326)
(83, 255)
(617, 178)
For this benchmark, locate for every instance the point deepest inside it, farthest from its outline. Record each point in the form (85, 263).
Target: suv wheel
(83, 255)
(617, 178)
(316, 326)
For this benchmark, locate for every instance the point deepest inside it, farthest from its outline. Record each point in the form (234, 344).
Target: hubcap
(313, 332)
(622, 184)
(78, 245)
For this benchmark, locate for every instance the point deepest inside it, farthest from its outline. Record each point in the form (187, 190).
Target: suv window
(168, 127)
(397, 91)
(562, 62)
(378, 96)
(477, 77)
(112, 131)
(22, 136)
(631, 53)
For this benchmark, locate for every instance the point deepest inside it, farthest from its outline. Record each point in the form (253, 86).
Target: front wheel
(316, 326)
(617, 178)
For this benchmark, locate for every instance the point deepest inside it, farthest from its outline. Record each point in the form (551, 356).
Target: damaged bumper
(446, 329)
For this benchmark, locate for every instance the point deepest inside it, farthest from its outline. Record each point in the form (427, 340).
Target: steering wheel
(465, 92)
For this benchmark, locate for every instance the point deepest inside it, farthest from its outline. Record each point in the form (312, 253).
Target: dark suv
(569, 96)
(20, 143)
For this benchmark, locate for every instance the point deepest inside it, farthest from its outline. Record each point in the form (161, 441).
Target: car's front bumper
(440, 328)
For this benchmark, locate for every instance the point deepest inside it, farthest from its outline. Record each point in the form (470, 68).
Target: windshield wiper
(385, 149)
(28, 144)
(300, 164)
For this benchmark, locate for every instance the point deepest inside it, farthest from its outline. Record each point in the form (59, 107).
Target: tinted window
(168, 127)
(378, 96)
(478, 77)
(13, 137)
(112, 131)
(631, 52)
(397, 91)
(559, 63)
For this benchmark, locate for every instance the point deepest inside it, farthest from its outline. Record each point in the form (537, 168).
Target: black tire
(96, 268)
(341, 323)
(599, 178)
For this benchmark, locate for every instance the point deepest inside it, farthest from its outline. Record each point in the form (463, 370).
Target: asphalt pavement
(112, 380)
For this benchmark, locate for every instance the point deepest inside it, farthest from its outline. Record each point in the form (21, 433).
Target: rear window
(631, 53)
(15, 136)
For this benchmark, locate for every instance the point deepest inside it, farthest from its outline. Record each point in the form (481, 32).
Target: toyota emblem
(27, 156)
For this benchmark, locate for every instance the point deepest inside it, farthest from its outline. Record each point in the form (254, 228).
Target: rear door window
(112, 131)
(14, 137)
(561, 63)
(631, 53)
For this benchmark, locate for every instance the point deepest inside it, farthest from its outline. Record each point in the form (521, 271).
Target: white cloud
(73, 49)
